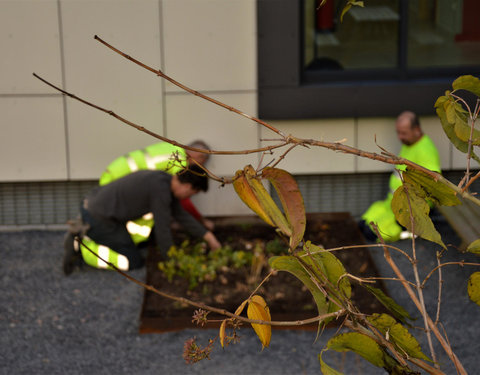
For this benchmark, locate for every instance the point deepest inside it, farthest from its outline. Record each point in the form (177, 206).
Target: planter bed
(286, 296)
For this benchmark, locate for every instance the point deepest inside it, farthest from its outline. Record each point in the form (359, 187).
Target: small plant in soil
(194, 263)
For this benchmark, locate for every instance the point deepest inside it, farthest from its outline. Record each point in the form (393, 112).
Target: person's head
(189, 182)
(200, 157)
(408, 128)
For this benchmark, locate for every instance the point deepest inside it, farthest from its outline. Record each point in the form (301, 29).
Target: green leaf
(469, 83)
(398, 311)
(420, 209)
(360, 344)
(330, 264)
(326, 369)
(474, 287)
(449, 130)
(438, 191)
(290, 264)
(474, 247)
(398, 334)
(462, 128)
(442, 99)
(450, 111)
(322, 264)
(332, 268)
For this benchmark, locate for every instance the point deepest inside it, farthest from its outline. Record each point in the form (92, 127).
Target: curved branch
(183, 87)
(153, 134)
(461, 264)
(203, 306)
(364, 246)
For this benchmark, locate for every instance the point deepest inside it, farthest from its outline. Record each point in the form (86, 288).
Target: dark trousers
(114, 235)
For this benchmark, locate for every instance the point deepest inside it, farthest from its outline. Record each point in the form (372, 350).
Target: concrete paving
(87, 323)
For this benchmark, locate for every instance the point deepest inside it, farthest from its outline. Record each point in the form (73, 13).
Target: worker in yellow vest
(416, 147)
(107, 209)
(159, 156)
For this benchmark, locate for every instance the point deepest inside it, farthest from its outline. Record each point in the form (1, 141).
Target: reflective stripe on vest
(118, 260)
(141, 228)
(152, 161)
(132, 164)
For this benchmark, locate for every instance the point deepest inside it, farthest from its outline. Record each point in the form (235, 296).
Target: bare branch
(203, 306)
(461, 264)
(445, 345)
(159, 73)
(153, 134)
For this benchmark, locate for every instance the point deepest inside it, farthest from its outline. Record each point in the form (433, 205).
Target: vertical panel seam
(64, 85)
(162, 67)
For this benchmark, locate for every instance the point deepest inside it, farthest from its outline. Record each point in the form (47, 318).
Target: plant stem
(431, 324)
(417, 277)
(203, 306)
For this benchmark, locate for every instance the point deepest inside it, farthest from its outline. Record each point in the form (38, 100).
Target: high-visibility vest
(424, 153)
(160, 156)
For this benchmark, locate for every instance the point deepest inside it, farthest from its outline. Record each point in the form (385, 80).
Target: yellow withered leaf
(246, 194)
(241, 307)
(266, 201)
(258, 310)
(221, 334)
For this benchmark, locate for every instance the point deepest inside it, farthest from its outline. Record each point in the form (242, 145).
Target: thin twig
(203, 306)
(461, 264)
(472, 180)
(413, 297)
(335, 146)
(153, 134)
(351, 247)
(440, 285)
(417, 277)
(159, 73)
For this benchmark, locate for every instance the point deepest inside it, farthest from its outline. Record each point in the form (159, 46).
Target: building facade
(267, 58)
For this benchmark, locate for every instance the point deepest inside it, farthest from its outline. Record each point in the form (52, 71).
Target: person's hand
(212, 241)
(209, 224)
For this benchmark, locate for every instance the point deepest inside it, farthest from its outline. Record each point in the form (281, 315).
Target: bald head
(408, 128)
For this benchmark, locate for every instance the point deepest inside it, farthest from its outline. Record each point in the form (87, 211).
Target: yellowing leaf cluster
(251, 191)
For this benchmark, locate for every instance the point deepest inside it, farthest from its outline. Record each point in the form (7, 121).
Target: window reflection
(443, 33)
(367, 38)
(438, 33)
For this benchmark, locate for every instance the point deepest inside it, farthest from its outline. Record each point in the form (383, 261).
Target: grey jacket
(139, 193)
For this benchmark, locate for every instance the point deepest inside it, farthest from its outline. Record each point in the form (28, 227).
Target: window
(389, 56)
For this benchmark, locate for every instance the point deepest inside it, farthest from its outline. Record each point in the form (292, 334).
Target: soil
(286, 296)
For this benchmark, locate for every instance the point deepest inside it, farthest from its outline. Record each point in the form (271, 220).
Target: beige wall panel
(210, 44)
(101, 76)
(32, 142)
(220, 201)
(384, 131)
(29, 42)
(190, 118)
(433, 128)
(316, 159)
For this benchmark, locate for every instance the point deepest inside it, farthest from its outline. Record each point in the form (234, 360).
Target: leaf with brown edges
(291, 199)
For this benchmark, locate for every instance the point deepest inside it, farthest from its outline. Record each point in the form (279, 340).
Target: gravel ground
(87, 323)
